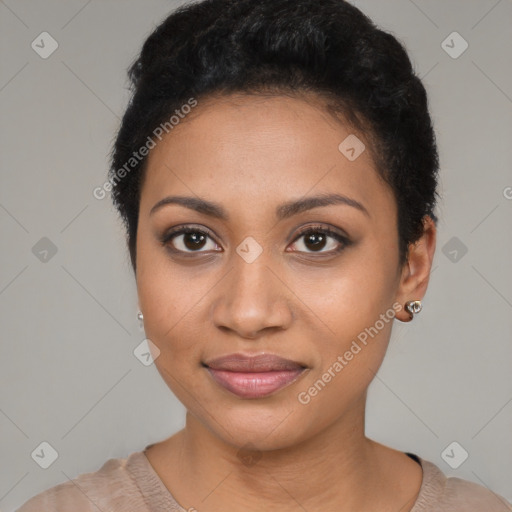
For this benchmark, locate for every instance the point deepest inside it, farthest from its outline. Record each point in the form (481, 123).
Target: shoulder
(441, 493)
(465, 493)
(110, 487)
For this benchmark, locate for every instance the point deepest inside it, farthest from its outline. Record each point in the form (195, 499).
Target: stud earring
(413, 307)
(140, 316)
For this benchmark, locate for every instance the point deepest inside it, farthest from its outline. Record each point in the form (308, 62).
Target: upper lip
(258, 363)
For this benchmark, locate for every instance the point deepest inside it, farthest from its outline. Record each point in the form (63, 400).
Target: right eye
(188, 239)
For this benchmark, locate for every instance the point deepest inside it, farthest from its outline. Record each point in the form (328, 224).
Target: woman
(276, 170)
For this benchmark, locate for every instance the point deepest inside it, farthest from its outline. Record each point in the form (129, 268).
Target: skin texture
(250, 154)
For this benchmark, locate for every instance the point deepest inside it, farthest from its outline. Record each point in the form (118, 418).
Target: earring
(413, 307)
(140, 316)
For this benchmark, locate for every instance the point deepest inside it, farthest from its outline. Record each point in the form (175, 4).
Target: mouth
(254, 376)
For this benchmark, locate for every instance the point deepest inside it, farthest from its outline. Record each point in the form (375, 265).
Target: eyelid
(188, 227)
(321, 227)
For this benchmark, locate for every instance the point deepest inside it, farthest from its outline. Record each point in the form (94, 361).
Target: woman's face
(252, 283)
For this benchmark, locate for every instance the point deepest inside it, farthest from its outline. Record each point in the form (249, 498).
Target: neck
(336, 462)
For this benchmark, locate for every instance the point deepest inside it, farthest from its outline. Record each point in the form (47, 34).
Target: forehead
(253, 151)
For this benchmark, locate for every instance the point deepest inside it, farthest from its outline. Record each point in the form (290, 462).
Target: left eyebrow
(294, 207)
(283, 211)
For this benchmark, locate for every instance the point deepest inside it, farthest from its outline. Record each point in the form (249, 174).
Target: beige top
(132, 485)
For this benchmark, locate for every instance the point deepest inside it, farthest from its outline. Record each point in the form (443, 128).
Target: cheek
(355, 313)
(351, 297)
(166, 294)
(347, 368)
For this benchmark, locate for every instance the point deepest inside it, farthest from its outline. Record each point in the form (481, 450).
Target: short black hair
(327, 47)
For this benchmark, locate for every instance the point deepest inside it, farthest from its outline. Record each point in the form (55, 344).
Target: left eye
(317, 239)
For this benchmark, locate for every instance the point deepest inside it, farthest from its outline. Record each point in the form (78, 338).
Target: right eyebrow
(200, 205)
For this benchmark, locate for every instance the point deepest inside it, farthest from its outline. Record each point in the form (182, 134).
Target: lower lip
(254, 385)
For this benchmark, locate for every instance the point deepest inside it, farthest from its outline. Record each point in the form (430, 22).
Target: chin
(265, 427)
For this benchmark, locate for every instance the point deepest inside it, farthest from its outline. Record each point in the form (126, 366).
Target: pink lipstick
(254, 376)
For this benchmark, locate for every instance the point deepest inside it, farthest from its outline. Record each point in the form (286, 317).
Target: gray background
(68, 375)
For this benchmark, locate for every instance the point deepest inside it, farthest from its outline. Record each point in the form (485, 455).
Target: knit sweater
(132, 485)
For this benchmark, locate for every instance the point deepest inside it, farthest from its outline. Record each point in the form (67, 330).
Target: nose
(251, 300)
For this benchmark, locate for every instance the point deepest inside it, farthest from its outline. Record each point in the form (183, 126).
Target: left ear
(416, 270)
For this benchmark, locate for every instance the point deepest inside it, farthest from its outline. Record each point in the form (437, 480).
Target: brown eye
(194, 241)
(316, 239)
(189, 240)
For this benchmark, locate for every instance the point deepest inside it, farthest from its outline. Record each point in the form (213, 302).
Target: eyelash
(183, 230)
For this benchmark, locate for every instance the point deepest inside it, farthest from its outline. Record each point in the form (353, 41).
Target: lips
(254, 376)
(259, 363)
